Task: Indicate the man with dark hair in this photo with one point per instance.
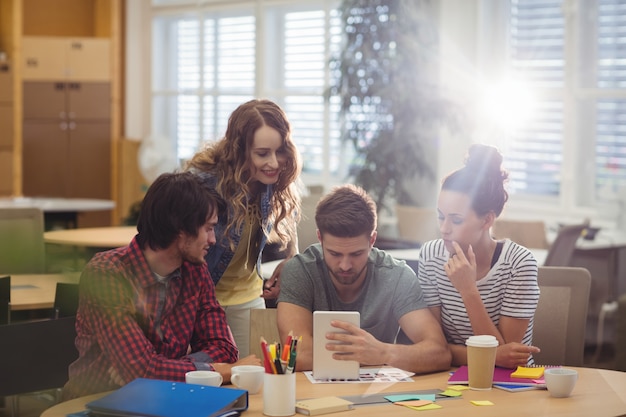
(344, 272)
(149, 309)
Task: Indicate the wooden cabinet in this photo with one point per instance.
(6, 130)
(58, 58)
(66, 139)
(65, 100)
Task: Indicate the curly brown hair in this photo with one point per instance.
(229, 161)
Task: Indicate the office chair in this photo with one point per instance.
(528, 233)
(22, 249)
(417, 224)
(28, 340)
(5, 300)
(65, 300)
(561, 315)
(562, 249)
(262, 324)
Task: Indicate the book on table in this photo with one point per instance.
(323, 405)
(158, 398)
(500, 376)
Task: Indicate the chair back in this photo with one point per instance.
(561, 315)
(5, 300)
(22, 249)
(36, 355)
(307, 229)
(262, 324)
(65, 300)
(562, 249)
(417, 224)
(528, 233)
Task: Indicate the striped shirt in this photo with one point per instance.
(509, 289)
(130, 324)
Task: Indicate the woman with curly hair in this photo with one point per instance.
(253, 169)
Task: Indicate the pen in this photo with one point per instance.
(287, 349)
(292, 356)
(266, 357)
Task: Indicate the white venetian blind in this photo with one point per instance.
(533, 154)
(611, 113)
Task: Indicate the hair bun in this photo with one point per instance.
(485, 158)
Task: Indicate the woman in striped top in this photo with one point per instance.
(472, 283)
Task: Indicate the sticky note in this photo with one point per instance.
(458, 387)
(431, 406)
(413, 403)
(482, 402)
(528, 372)
(452, 393)
(408, 397)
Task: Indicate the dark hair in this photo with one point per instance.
(174, 203)
(482, 179)
(347, 211)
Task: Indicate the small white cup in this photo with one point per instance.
(248, 377)
(211, 378)
(560, 381)
(279, 394)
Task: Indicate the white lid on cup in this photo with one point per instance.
(482, 341)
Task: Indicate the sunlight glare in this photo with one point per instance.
(508, 104)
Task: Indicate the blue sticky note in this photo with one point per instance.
(408, 397)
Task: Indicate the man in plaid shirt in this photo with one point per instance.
(149, 309)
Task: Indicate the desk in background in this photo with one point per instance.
(92, 237)
(598, 393)
(36, 291)
(59, 212)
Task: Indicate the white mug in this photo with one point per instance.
(248, 377)
(211, 378)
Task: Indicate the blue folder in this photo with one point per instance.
(158, 398)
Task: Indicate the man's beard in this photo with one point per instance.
(347, 280)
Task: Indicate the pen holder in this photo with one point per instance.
(279, 394)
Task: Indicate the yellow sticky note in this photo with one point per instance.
(458, 387)
(432, 406)
(482, 402)
(528, 372)
(452, 393)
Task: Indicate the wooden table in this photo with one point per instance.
(598, 393)
(59, 210)
(36, 291)
(92, 237)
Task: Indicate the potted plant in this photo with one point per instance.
(392, 108)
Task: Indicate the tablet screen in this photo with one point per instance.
(324, 366)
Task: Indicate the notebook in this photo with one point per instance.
(500, 376)
(158, 398)
(324, 366)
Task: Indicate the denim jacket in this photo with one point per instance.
(220, 254)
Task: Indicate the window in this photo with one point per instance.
(209, 59)
(571, 54)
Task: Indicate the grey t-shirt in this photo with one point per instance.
(390, 290)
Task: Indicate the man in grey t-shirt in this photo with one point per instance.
(345, 272)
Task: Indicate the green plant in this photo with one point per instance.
(391, 104)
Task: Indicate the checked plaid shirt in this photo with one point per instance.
(131, 325)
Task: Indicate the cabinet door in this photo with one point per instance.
(44, 58)
(89, 59)
(45, 100)
(89, 163)
(6, 126)
(89, 100)
(45, 158)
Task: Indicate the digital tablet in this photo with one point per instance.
(324, 366)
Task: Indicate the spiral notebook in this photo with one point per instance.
(500, 376)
